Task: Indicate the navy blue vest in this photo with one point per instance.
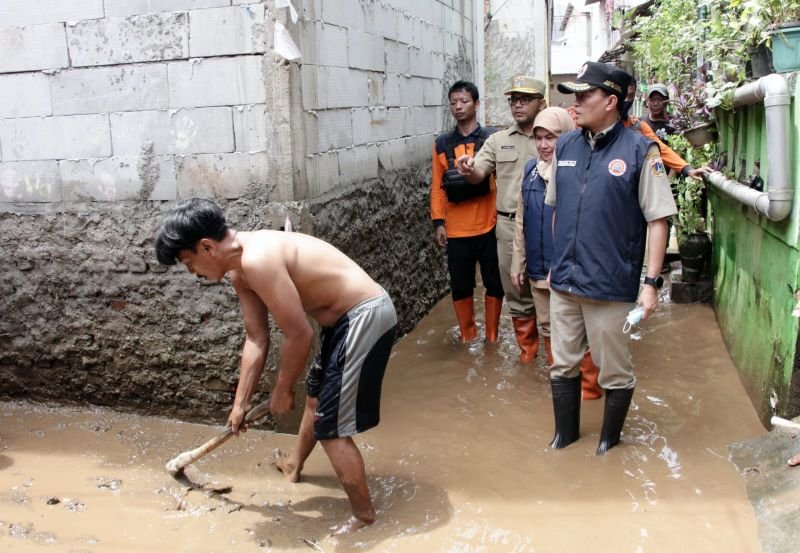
(600, 229)
(537, 223)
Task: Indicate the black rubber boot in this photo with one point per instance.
(567, 410)
(616, 409)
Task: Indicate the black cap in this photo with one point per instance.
(599, 75)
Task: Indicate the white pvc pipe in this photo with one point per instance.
(776, 202)
(783, 423)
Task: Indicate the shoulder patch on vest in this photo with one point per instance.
(617, 167)
(653, 152)
(657, 167)
(567, 163)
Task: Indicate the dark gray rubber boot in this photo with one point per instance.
(616, 409)
(567, 410)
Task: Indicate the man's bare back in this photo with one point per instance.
(328, 282)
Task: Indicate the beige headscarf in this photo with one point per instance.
(557, 121)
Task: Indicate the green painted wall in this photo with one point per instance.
(756, 262)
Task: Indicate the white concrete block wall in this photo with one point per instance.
(391, 89)
(221, 175)
(351, 14)
(149, 37)
(328, 129)
(313, 86)
(25, 95)
(386, 21)
(33, 48)
(117, 179)
(109, 89)
(322, 171)
(184, 131)
(412, 91)
(30, 181)
(397, 57)
(227, 31)
(20, 13)
(375, 90)
(372, 125)
(250, 124)
(107, 100)
(59, 137)
(324, 45)
(199, 82)
(121, 8)
(365, 50)
(358, 164)
(401, 54)
(345, 87)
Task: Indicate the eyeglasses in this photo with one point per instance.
(524, 100)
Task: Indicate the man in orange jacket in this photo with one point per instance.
(464, 216)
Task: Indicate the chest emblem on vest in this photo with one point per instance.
(617, 167)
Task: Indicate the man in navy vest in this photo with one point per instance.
(610, 191)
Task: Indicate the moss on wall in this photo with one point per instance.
(756, 264)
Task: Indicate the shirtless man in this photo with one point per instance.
(291, 275)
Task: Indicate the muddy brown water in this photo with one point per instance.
(459, 464)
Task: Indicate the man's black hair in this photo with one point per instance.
(465, 85)
(185, 225)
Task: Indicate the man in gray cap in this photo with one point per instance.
(505, 153)
(657, 117)
(610, 192)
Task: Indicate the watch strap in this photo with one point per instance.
(656, 283)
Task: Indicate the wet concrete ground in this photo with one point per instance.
(772, 486)
(459, 464)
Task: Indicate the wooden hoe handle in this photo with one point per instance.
(176, 465)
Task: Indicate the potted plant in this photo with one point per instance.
(691, 114)
(694, 244)
(771, 31)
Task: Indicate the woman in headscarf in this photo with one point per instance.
(533, 241)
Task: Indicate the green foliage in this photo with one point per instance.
(668, 42)
(688, 195)
(700, 48)
(689, 191)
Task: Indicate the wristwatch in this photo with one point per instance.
(656, 283)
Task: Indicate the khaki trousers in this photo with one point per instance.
(541, 299)
(576, 321)
(520, 302)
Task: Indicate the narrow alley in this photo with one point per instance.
(460, 463)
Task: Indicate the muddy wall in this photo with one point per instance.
(90, 316)
(108, 137)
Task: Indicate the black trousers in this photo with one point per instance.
(463, 254)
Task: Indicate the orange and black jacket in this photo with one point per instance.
(471, 217)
